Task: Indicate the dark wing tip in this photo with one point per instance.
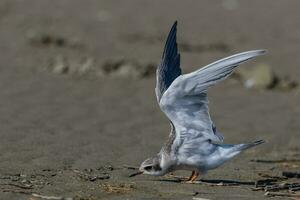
(263, 51)
(169, 68)
(174, 27)
(171, 43)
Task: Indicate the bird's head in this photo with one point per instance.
(152, 166)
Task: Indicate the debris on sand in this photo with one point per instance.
(198, 198)
(263, 77)
(51, 197)
(127, 68)
(117, 67)
(286, 83)
(221, 182)
(21, 186)
(291, 174)
(262, 183)
(271, 184)
(91, 175)
(281, 194)
(271, 176)
(120, 68)
(259, 77)
(47, 39)
(91, 178)
(120, 188)
(289, 162)
(283, 186)
(274, 185)
(62, 65)
(106, 168)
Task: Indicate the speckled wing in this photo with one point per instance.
(186, 105)
(169, 68)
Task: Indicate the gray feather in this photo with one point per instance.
(213, 73)
(186, 105)
(167, 147)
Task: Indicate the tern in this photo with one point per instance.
(194, 143)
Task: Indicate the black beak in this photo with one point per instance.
(135, 174)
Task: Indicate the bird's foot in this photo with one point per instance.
(189, 182)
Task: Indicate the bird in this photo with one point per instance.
(194, 143)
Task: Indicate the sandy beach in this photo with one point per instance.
(78, 108)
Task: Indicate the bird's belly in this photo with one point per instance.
(201, 162)
(206, 164)
(214, 164)
(213, 161)
(191, 165)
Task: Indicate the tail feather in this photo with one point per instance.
(228, 151)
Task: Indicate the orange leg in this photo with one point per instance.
(193, 177)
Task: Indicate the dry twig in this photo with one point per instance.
(281, 194)
(291, 174)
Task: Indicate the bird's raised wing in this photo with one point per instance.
(169, 68)
(167, 71)
(185, 101)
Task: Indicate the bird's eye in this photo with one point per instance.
(148, 168)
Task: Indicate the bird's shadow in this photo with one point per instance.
(210, 181)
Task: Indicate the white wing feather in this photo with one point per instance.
(185, 101)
